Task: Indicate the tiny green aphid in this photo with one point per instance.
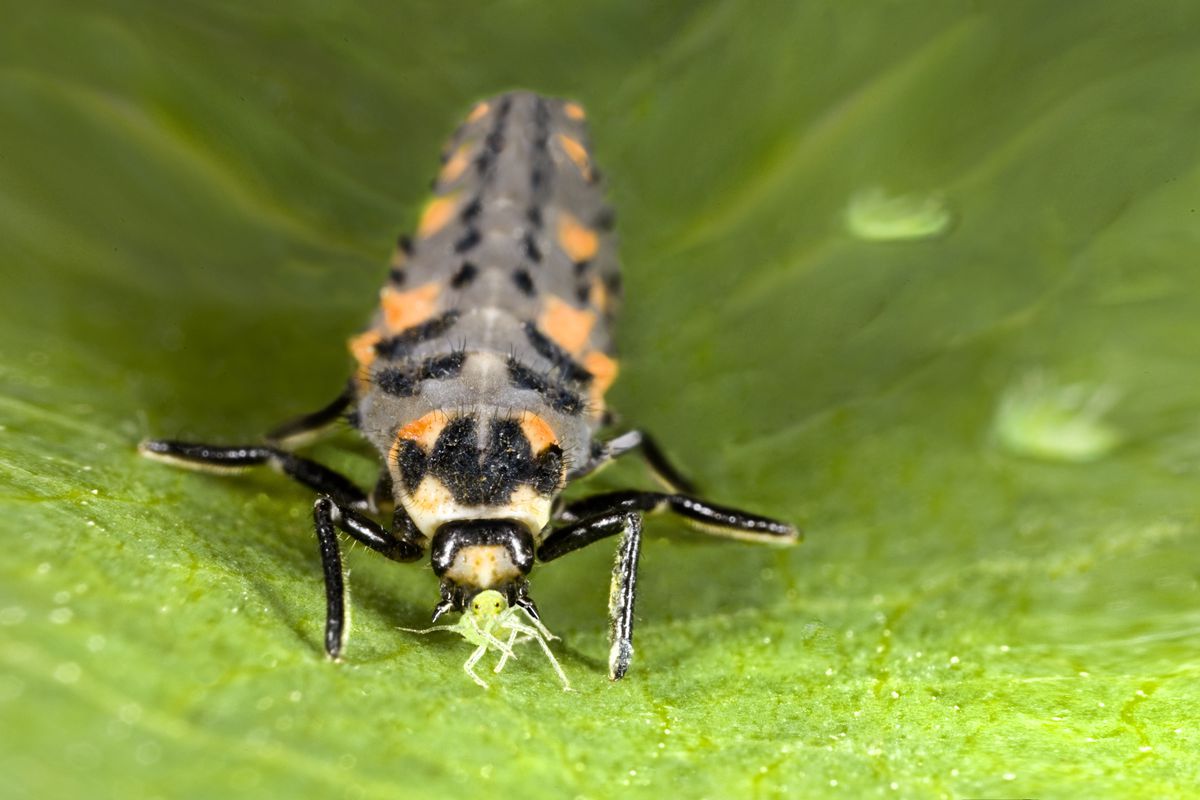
(489, 614)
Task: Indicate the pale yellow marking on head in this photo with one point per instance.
(567, 326)
(432, 505)
(404, 309)
(578, 154)
(457, 164)
(478, 112)
(482, 566)
(574, 111)
(538, 432)
(579, 242)
(436, 214)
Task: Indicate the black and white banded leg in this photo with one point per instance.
(599, 517)
(304, 429)
(232, 459)
(409, 545)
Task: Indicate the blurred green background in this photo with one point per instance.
(197, 204)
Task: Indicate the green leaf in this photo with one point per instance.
(196, 208)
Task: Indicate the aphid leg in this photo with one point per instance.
(623, 592)
(302, 430)
(469, 666)
(326, 514)
(512, 640)
(655, 459)
(536, 634)
(236, 458)
(709, 517)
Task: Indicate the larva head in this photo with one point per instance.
(475, 557)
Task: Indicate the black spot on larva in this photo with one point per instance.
(558, 397)
(536, 177)
(523, 281)
(495, 141)
(532, 251)
(402, 343)
(605, 219)
(412, 462)
(406, 381)
(398, 382)
(465, 275)
(468, 241)
(559, 359)
(583, 292)
(612, 282)
(483, 162)
(534, 215)
(404, 243)
(396, 276)
(471, 210)
(581, 267)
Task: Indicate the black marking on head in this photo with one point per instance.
(468, 241)
(396, 276)
(560, 359)
(471, 210)
(489, 475)
(534, 215)
(524, 282)
(411, 460)
(532, 251)
(406, 382)
(558, 397)
(453, 536)
(403, 342)
(465, 275)
(404, 243)
(581, 267)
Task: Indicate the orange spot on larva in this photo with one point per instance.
(423, 430)
(478, 112)
(455, 165)
(574, 111)
(578, 154)
(362, 347)
(603, 369)
(568, 326)
(580, 243)
(598, 295)
(437, 213)
(404, 309)
(538, 432)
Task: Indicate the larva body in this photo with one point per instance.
(481, 382)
